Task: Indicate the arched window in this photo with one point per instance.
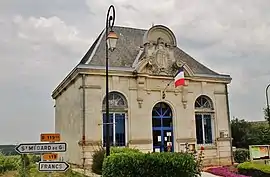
(116, 101)
(203, 102)
(117, 119)
(204, 120)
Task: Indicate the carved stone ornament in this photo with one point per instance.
(159, 60)
(178, 64)
(161, 54)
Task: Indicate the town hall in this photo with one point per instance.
(146, 110)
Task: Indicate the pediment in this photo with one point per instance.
(157, 56)
(160, 61)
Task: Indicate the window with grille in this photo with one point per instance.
(204, 120)
(117, 120)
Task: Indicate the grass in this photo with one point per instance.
(11, 166)
(36, 173)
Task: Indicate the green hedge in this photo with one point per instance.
(99, 155)
(254, 169)
(9, 163)
(151, 164)
(241, 155)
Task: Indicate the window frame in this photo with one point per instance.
(205, 111)
(114, 128)
(202, 114)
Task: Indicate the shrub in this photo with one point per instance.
(254, 169)
(34, 158)
(99, 154)
(151, 164)
(241, 155)
(124, 150)
(98, 158)
(8, 163)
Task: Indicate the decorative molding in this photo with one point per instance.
(128, 72)
(219, 93)
(184, 96)
(140, 141)
(186, 140)
(141, 83)
(224, 139)
(115, 82)
(207, 147)
(91, 87)
(90, 143)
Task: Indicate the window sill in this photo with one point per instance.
(206, 146)
(224, 139)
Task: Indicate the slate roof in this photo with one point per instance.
(128, 46)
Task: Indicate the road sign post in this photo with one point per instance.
(50, 161)
(51, 156)
(50, 137)
(48, 149)
(28, 148)
(51, 166)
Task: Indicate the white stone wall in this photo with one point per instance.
(68, 115)
(68, 112)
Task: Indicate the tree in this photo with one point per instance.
(266, 115)
(240, 131)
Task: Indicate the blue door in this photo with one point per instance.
(162, 128)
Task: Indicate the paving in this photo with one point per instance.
(205, 174)
(89, 174)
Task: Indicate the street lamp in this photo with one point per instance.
(111, 39)
(267, 102)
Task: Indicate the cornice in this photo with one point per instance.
(128, 72)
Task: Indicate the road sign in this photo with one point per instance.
(52, 156)
(50, 137)
(25, 148)
(53, 166)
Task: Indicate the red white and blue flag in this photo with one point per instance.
(179, 79)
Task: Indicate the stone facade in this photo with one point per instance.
(143, 83)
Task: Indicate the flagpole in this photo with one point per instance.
(163, 92)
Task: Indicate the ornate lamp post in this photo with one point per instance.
(267, 103)
(111, 39)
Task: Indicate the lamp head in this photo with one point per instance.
(112, 40)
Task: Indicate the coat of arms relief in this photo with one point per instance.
(160, 57)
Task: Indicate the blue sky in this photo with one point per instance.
(41, 41)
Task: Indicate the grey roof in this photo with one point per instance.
(128, 46)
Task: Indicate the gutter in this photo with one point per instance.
(229, 121)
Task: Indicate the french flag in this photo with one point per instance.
(179, 78)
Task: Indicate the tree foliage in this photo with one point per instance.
(266, 116)
(246, 133)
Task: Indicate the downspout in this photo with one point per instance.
(229, 121)
(83, 121)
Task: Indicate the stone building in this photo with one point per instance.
(146, 110)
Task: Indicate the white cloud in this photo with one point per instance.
(228, 36)
(40, 46)
(36, 55)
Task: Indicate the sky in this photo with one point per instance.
(42, 41)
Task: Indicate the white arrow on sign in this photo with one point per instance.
(53, 166)
(41, 147)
